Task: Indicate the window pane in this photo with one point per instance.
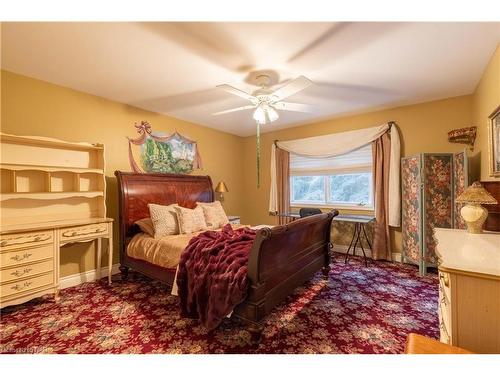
(351, 188)
(308, 188)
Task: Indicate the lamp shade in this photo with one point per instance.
(221, 187)
(476, 194)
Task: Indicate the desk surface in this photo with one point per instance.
(6, 229)
(288, 214)
(468, 252)
(364, 219)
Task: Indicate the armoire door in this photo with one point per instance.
(438, 210)
(411, 211)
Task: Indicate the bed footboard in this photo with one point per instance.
(281, 259)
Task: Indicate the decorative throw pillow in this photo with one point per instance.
(164, 219)
(215, 216)
(146, 226)
(190, 220)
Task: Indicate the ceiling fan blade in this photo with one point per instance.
(233, 110)
(293, 87)
(296, 107)
(238, 92)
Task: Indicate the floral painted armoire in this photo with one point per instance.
(430, 184)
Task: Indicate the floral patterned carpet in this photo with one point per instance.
(358, 310)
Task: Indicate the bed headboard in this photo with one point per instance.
(136, 190)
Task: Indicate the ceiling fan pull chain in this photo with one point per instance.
(258, 154)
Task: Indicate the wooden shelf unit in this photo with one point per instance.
(52, 193)
(50, 175)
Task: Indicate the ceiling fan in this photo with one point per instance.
(265, 100)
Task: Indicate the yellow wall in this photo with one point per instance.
(33, 107)
(423, 128)
(486, 100)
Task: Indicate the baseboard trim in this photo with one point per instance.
(83, 277)
(396, 257)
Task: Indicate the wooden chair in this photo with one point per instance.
(309, 211)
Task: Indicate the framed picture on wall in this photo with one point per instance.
(494, 142)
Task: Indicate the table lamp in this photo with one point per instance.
(221, 188)
(473, 213)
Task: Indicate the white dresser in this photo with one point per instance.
(469, 289)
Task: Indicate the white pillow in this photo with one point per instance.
(215, 216)
(190, 220)
(164, 219)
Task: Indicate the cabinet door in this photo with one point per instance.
(411, 204)
(437, 171)
(460, 182)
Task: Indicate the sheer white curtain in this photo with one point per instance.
(330, 145)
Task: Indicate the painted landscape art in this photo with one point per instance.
(172, 156)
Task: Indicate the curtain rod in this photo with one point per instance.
(390, 123)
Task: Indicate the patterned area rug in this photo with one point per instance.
(358, 310)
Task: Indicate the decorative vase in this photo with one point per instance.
(474, 216)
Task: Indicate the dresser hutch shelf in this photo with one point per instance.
(52, 194)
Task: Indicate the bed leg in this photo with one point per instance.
(124, 272)
(326, 271)
(255, 331)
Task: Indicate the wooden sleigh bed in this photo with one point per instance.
(281, 258)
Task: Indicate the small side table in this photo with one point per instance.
(234, 220)
(290, 215)
(359, 226)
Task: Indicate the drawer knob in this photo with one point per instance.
(445, 278)
(83, 232)
(21, 287)
(19, 273)
(18, 258)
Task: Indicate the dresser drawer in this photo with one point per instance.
(29, 270)
(21, 240)
(83, 232)
(28, 255)
(23, 286)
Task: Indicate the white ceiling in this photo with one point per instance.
(173, 68)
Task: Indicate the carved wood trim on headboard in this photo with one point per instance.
(137, 190)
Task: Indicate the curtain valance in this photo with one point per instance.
(338, 144)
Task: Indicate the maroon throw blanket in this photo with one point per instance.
(212, 274)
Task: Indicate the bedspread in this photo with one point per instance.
(212, 274)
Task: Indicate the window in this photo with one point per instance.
(340, 181)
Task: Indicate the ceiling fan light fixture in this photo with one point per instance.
(259, 115)
(264, 113)
(272, 114)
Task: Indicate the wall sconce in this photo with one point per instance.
(221, 188)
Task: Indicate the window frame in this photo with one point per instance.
(326, 181)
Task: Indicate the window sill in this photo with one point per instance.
(330, 207)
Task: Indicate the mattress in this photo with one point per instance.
(164, 252)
